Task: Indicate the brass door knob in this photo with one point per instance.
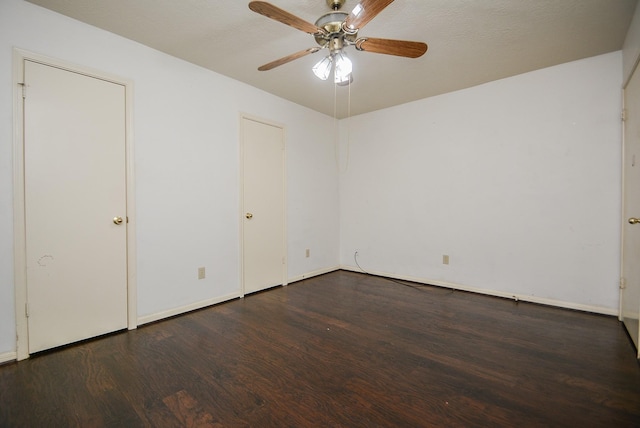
(634, 220)
(117, 220)
(249, 215)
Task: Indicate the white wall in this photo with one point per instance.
(186, 138)
(517, 180)
(631, 47)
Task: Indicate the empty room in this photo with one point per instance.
(319, 213)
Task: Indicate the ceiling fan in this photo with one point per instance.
(335, 31)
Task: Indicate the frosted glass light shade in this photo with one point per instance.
(347, 81)
(323, 68)
(343, 67)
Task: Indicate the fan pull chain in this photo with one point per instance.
(336, 138)
(337, 128)
(346, 167)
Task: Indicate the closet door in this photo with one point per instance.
(263, 228)
(75, 206)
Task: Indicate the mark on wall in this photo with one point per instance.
(42, 261)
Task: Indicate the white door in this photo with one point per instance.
(75, 193)
(630, 297)
(263, 244)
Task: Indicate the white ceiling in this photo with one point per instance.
(470, 42)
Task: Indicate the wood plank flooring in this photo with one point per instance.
(339, 350)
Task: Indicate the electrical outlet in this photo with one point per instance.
(201, 273)
(307, 253)
(445, 259)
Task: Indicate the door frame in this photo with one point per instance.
(621, 284)
(285, 270)
(19, 225)
(625, 141)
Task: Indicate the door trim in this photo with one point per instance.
(241, 212)
(622, 208)
(623, 220)
(19, 226)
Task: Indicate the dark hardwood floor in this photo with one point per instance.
(340, 350)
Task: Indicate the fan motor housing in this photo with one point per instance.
(332, 23)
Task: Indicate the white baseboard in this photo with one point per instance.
(12, 355)
(210, 302)
(5, 357)
(187, 308)
(312, 274)
(496, 293)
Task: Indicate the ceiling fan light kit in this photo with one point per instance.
(336, 31)
(343, 65)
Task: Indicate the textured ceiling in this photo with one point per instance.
(470, 42)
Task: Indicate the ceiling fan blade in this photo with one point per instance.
(274, 12)
(288, 58)
(364, 12)
(391, 47)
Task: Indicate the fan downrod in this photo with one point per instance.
(336, 4)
